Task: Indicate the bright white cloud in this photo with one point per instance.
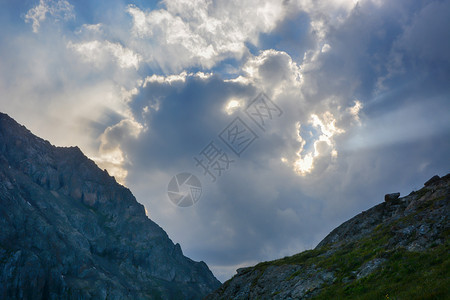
(58, 9)
(355, 111)
(174, 78)
(273, 71)
(188, 33)
(323, 143)
(93, 29)
(232, 105)
(98, 52)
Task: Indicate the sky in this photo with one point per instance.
(293, 115)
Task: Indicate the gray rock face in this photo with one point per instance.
(369, 267)
(70, 231)
(359, 248)
(432, 180)
(275, 282)
(430, 217)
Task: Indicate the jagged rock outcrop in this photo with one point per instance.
(393, 197)
(398, 249)
(70, 231)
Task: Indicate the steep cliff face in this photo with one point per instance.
(70, 231)
(398, 249)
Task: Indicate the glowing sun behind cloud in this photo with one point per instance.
(321, 140)
(232, 106)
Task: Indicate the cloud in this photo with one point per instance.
(110, 153)
(323, 148)
(426, 31)
(57, 9)
(312, 119)
(201, 33)
(273, 71)
(97, 52)
(412, 122)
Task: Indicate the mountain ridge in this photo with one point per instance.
(398, 249)
(70, 231)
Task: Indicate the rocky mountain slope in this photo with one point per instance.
(70, 231)
(398, 249)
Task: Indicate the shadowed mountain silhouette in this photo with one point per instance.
(70, 231)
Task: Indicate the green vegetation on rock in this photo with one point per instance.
(398, 249)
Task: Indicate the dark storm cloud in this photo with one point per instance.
(181, 118)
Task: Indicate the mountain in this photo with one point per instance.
(398, 249)
(70, 231)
